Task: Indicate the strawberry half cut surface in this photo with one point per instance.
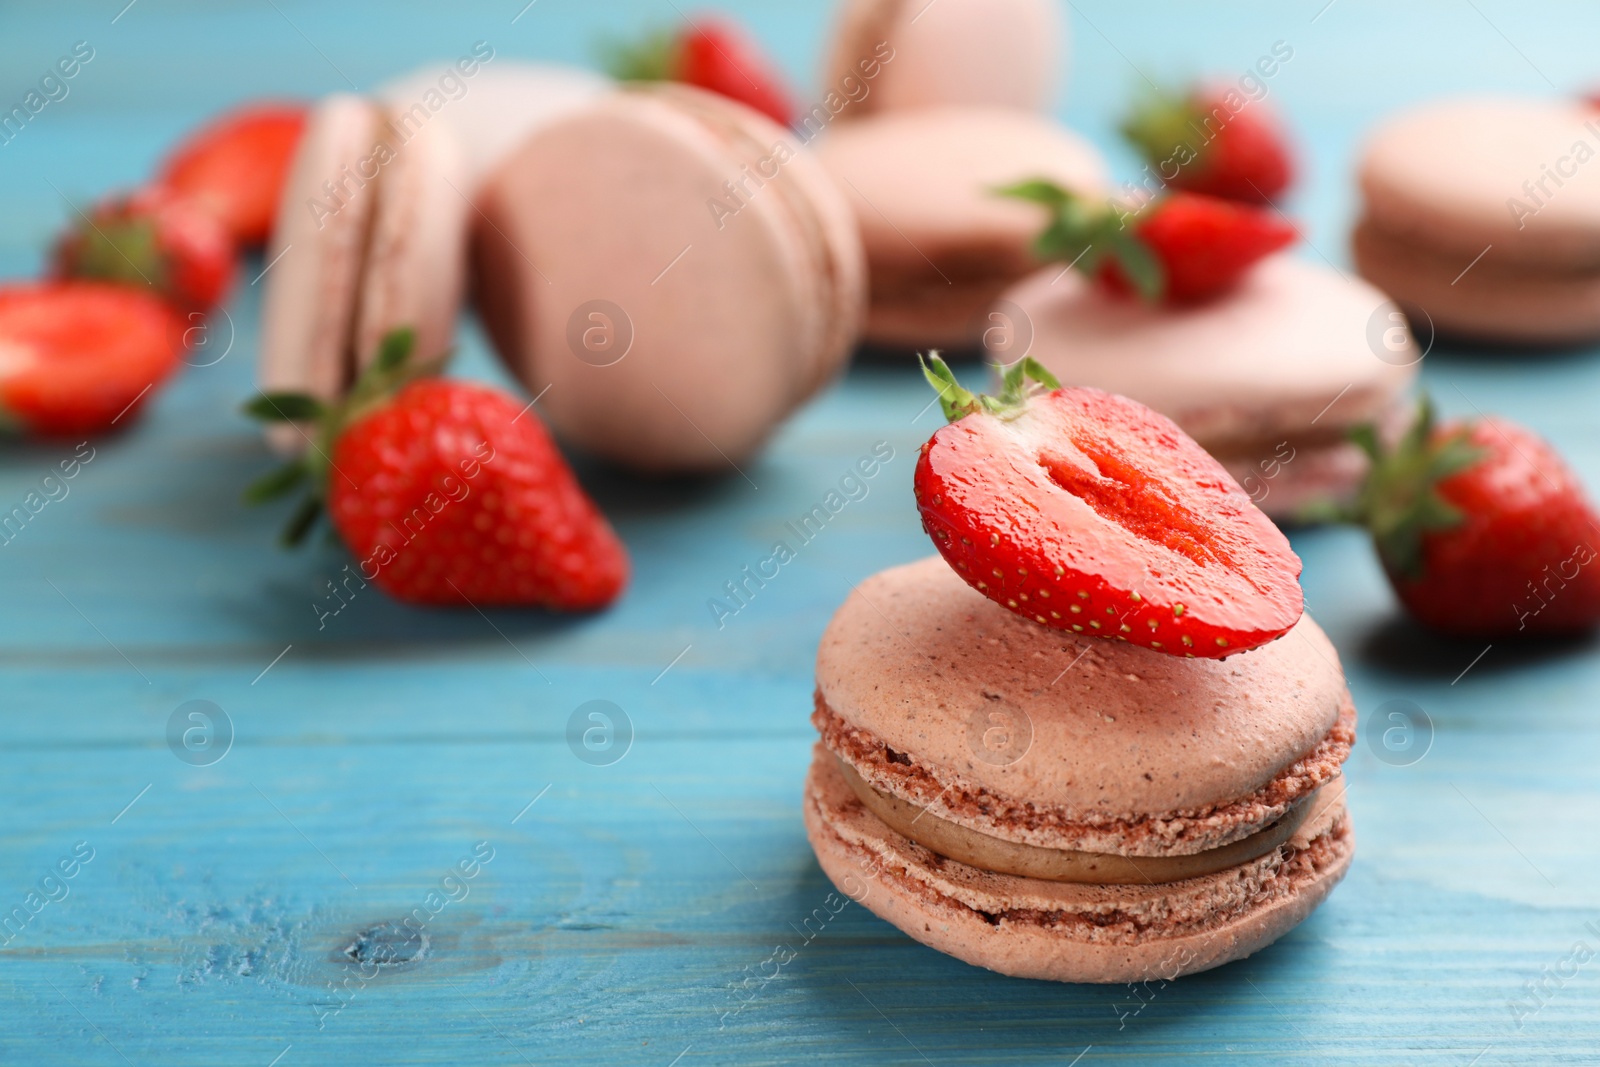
(1088, 512)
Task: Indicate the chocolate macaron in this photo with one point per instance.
(941, 242)
(1483, 214)
(915, 54)
(671, 273)
(1054, 806)
(1269, 378)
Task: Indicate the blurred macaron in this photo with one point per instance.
(1482, 216)
(670, 273)
(895, 55)
(941, 243)
(1269, 378)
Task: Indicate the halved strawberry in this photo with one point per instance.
(1214, 142)
(1088, 512)
(1482, 528)
(152, 239)
(447, 492)
(235, 167)
(712, 54)
(1180, 248)
(81, 357)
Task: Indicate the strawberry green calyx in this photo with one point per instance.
(1085, 235)
(1018, 383)
(655, 57)
(390, 371)
(124, 251)
(1164, 125)
(1400, 501)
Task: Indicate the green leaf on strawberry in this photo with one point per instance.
(390, 370)
(1180, 248)
(1400, 500)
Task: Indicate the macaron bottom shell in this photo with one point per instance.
(1028, 928)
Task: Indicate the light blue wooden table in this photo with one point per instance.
(237, 913)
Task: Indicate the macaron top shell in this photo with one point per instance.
(1451, 174)
(1265, 360)
(493, 110)
(1000, 53)
(923, 184)
(725, 256)
(317, 253)
(932, 667)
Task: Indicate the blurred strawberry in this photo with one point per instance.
(1181, 248)
(1482, 528)
(154, 240)
(711, 54)
(79, 357)
(236, 166)
(1195, 141)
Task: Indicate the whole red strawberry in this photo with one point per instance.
(711, 54)
(1482, 529)
(81, 357)
(1213, 141)
(152, 239)
(448, 492)
(1088, 512)
(1181, 248)
(235, 167)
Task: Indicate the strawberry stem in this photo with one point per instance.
(1018, 383)
(390, 371)
(1087, 235)
(654, 57)
(1400, 502)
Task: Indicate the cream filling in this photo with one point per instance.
(988, 853)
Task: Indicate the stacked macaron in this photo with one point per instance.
(1004, 782)
(1483, 217)
(1270, 378)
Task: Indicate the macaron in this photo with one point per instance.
(491, 106)
(370, 237)
(1066, 808)
(894, 55)
(1269, 378)
(670, 273)
(941, 243)
(1483, 214)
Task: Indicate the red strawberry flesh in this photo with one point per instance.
(1091, 513)
(77, 357)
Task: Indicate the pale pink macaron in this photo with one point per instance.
(1270, 378)
(1067, 808)
(370, 237)
(1483, 214)
(894, 55)
(671, 274)
(492, 105)
(941, 243)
